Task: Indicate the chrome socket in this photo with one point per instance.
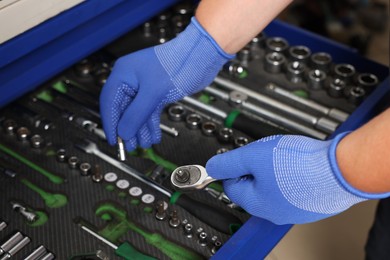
(244, 56)
(336, 88)
(321, 61)
(258, 41)
(73, 161)
(36, 141)
(355, 95)
(367, 81)
(176, 113)
(209, 128)
(101, 77)
(240, 141)
(274, 62)
(234, 68)
(295, 71)
(188, 230)
(184, 8)
(61, 155)
(23, 133)
(84, 68)
(344, 72)
(85, 169)
(202, 238)
(9, 126)
(178, 24)
(193, 121)
(217, 245)
(299, 53)
(147, 29)
(276, 44)
(225, 134)
(222, 150)
(237, 98)
(316, 79)
(162, 35)
(163, 20)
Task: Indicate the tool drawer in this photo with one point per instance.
(65, 195)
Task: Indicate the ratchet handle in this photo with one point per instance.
(217, 218)
(255, 128)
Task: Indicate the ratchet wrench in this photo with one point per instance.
(190, 177)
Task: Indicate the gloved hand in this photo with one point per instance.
(287, 179)
(142, 83)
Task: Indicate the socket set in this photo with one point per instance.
(65, 195)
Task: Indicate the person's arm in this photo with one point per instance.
(364, 155)
(234, 23)
(293, 179)
(143, 82)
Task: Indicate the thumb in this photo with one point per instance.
(228, 165)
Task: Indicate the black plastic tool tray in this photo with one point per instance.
(60, 234)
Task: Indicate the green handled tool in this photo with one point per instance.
(124, 250)
(120, 224)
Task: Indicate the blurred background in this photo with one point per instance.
(357, 23)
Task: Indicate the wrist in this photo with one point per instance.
(219, 49)
(343, 163)
(192, 59)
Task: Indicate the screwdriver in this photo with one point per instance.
(124, 250)
(120, 224)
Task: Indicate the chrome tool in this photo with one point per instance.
(190, 177)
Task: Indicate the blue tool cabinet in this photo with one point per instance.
(40, 53)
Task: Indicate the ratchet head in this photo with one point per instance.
(190, 177)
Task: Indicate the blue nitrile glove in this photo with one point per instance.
(289, 179)
(142, 83)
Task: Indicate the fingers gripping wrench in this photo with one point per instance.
(190, 177)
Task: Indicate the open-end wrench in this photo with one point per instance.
(91, 148)
(190, 177)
